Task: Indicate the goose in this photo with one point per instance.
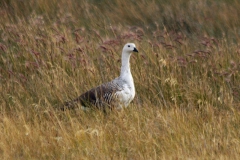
(117, 93)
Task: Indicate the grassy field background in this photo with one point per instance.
(187, 103)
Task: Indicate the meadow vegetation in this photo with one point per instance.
(186, 74)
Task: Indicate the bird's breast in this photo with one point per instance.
(126, 95)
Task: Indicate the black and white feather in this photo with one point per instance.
(117, 93)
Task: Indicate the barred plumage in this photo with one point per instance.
(117, 93)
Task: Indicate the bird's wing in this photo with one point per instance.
(104, 94)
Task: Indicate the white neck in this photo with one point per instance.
(126, 75)
(125, 68)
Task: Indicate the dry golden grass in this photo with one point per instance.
(186, 76)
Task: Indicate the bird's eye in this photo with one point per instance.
(128, 45)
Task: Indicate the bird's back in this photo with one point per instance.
(114, 94)
(101, 96)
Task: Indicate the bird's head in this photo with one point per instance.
(129, 48)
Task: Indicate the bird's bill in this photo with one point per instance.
(135, 50)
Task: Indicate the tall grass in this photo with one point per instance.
(186, 76)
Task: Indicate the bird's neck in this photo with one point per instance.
(125, 68)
